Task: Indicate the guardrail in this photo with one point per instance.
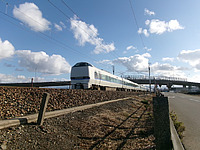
(133, 77)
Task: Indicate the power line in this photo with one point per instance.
(134, 16)
(70, 18)
(57, 41)
(70, 9)
(116, 55)
(52, 39)
(74, 22)
(26, 15)
(65, 4)
(49, 37)
(76, 15)
(97, 35)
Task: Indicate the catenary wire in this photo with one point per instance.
(114, 53)
(47, 36)
(134, 16)
(79, 26)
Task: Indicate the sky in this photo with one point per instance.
(44, 39)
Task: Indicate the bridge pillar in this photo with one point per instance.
(169, 86)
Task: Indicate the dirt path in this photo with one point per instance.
(125, 124)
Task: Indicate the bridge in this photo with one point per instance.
(161, 80)
(37, 84)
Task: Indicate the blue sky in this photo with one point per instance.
(44, 39)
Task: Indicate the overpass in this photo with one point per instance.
(159, 80)
(37, 84)
(162, 80)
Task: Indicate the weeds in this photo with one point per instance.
(180, 128)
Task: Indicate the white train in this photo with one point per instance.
(86, 76)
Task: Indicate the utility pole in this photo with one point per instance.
(149, 78)
(35, 72)
(113, 67)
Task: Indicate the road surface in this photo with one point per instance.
(187, 108)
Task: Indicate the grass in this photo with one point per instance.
(180, 128)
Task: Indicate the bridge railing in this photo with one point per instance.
(140, 77)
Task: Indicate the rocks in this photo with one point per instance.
(115, 125)
(17, 101)
(4, 145)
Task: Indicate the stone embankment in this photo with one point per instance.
(17, 102)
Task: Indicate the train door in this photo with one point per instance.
(99, 74)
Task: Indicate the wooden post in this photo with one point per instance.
(161, 123)
(43, 107)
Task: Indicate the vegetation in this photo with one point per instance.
(180, 128)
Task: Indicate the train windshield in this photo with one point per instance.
(82, 64)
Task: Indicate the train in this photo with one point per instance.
(86, 76)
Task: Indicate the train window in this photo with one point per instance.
(82, 64)
(96, 75)
(103, 77)
(83, 77)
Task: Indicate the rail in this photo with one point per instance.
(140, 77)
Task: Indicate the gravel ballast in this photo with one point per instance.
(17, 102)
(125, 124)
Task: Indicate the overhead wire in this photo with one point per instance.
(70, 19)
(84, 30)
(142, 41)
(57, 41)
(49, 37)
(65, 4)
(114, 53)
(134, 16)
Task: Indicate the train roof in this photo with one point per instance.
(81, 64)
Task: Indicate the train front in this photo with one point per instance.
(80, 76)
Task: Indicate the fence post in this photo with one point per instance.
(43, 107)
(161, 123)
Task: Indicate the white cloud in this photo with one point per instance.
(109, 62)
(159, 27)
(140, 30)
(162, 67)
(147, 49)
(58, 27)
(194, 78)
(144, 31)
(191, 56)
(43, 63)
(167, 70)
(101, 48)
(174, 25)
(168, 59)
(138, 63)
(6, 49)
(148, 12)
(86, 33)
(31, 15)
(131, 47)
(62, 24)
(5, 78)
(147, 22)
